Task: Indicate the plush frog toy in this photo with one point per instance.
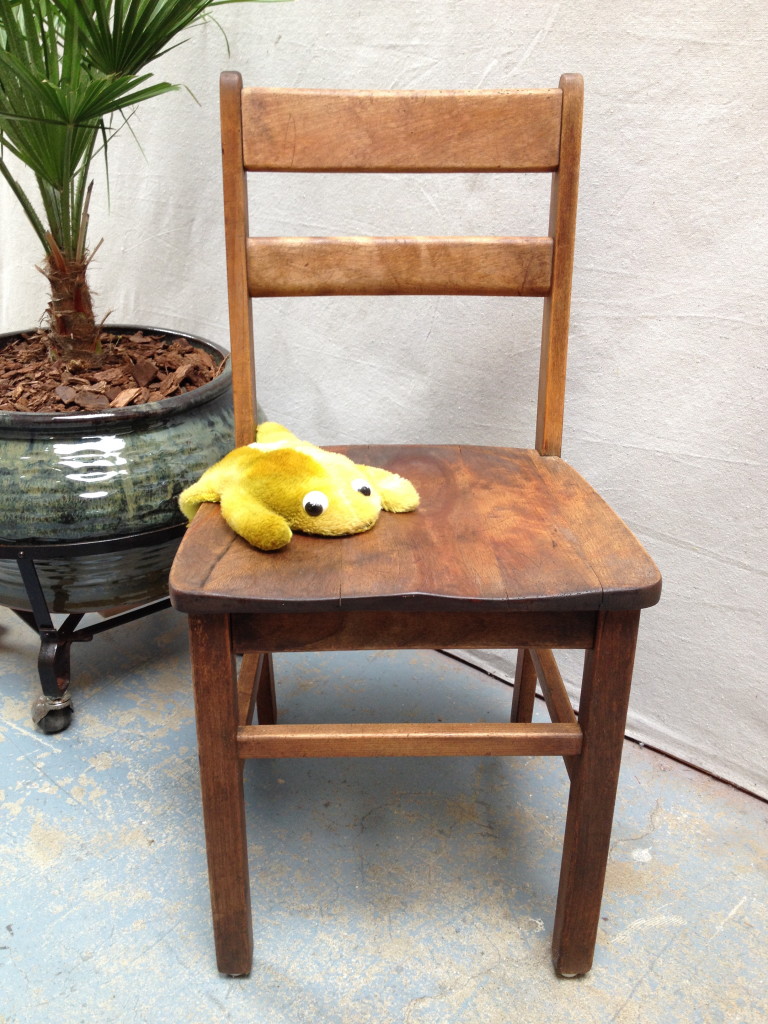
(279, 484)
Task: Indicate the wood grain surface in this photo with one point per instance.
(497, 529)
(325, 130)
(399, 266)
(235, 233)
(557, 305)
(430, 739)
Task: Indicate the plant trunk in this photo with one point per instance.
(74, 331)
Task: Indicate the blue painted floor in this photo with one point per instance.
(392, 890)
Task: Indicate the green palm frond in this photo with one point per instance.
(70, 73)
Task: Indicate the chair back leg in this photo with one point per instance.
(524, 693)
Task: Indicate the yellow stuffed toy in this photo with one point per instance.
(279, 484)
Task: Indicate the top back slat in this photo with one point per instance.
(322, 130)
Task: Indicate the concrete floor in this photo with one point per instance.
(388, 890)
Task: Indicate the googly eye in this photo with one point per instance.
(315, 503)
(363, 487)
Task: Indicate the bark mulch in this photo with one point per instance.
(136, 368)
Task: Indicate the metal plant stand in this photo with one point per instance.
(52, 710)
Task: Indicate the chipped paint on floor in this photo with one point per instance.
(392, 890)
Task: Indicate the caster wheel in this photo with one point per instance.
(52, 714)
(56, 721)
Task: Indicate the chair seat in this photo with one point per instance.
(498, 529)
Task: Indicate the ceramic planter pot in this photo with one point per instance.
(94, 476)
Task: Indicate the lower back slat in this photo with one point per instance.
(399, 266)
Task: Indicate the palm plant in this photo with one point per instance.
(71, 71)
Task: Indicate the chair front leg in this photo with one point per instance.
(602, 717)
(221, 777)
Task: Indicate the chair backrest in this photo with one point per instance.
(415, 131)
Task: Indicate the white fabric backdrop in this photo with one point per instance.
(666, 405)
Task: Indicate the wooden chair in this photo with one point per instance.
(509, 549)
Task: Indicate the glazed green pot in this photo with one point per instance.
(67, 478)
